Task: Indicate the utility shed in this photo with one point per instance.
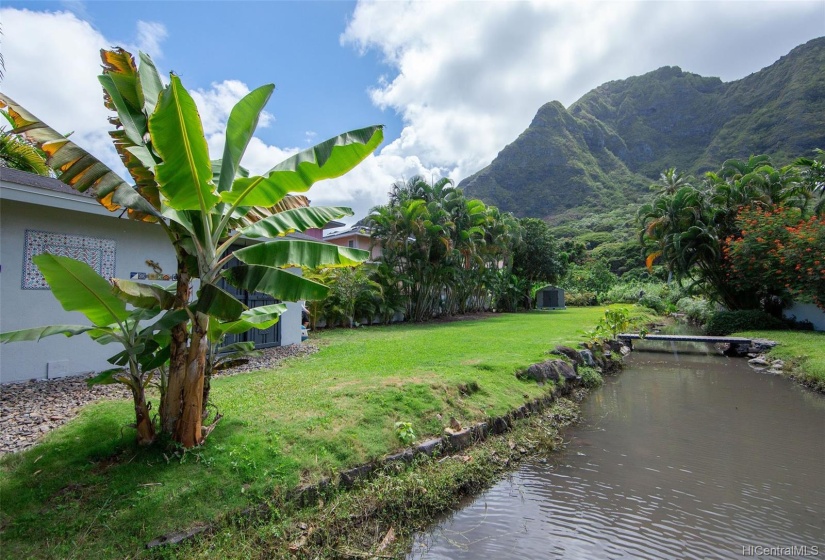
(550, 297)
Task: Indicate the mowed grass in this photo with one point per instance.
(802, 351)
(88, 491)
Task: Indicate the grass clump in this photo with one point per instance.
(591, 378)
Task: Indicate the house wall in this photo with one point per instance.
(807, 312)
(20, 308)
(359, 241)
(315, 233)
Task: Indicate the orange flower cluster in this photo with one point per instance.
(777, 251)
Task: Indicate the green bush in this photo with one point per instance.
(654, 302)
(697, 311)
(655, 295)
(726, 322)
(580, 299)
(590, 377)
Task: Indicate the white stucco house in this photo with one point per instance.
(40, 214)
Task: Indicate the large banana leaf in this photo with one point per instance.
(79, 288)
(298, 219)
(260, 318)
(276, 282)
(185, 176)
(298, 173)
(239, 129)
(294, 252)
(149, 84)
(132, 95)
(37, 333)
(245, 216)
(218, 303)
(78, 168)
(166, 322)
(148, 296)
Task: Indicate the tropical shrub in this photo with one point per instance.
(352, 298)
(696, 310)
(580, 299)
(778, 252)
(687, 227)
(614, 321)
(723, 323)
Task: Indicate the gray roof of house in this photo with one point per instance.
(32, 180)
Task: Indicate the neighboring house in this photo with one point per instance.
(318, 234)
(357, 237)
(40, 214)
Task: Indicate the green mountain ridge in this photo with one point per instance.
(607, 147)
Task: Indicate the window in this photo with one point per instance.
(351, 243)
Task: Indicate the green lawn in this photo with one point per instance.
(87, 491)
(802, 351)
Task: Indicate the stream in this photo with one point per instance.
(685, 454)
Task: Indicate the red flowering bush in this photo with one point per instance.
(778, 251)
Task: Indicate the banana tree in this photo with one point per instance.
(145, 349)
(205, 206)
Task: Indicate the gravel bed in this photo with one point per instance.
(29, 409)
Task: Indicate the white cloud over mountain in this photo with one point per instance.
(467, 77)
(471, 75)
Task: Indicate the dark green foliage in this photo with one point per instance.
(697, 311)
(615, 139)
(594, 276)
(726, 322)
(694, 231)
(537, 257)
(442, 253)
(580, 299)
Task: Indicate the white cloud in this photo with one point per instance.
(471, 75)
(150, 35)
(216, 103)
(59, 84)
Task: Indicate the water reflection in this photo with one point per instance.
(692, 456)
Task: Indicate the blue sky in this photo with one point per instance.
(321, 85)
(454, 82)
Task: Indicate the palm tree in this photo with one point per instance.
(17, 153)
(671, 181)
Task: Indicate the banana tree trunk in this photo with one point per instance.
(143, 423)
(188, 430)
(173, 398)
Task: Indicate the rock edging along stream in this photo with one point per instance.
(562, 372)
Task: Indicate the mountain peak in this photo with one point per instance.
(615, 140)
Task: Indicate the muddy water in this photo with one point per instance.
(681, 456)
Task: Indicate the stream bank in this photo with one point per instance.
(374, 510)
